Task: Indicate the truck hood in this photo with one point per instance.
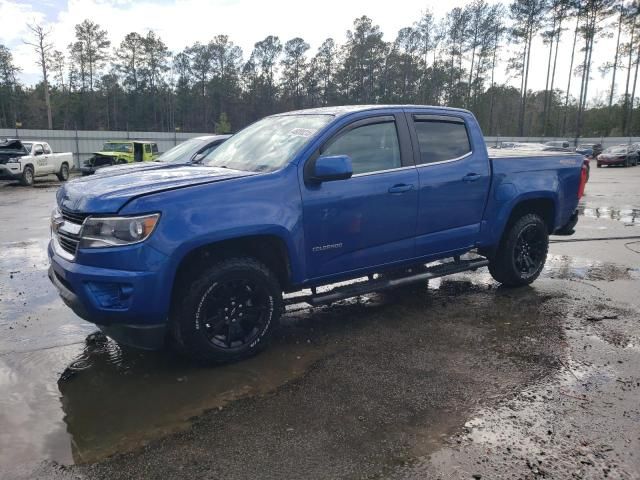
(109, 193)
(132, 167)
(11, 148)
(111, 154)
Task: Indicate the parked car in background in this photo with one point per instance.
(296, 201)
(117, 152)
(558, 144)
(623, 155)
(589, 149)
(188, 152)
(26, 160)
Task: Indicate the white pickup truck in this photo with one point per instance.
(26, 160)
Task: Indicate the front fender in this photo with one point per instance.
(278, 231)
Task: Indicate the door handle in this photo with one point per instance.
(471, 177)
(400, 188)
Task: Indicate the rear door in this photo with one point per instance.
(454, 178)
(369, 219)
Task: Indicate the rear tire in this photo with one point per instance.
(63, 174)
(27, 178)
(228, 312)
(598, 165)
(522, 252)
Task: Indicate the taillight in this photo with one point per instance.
(583, 181)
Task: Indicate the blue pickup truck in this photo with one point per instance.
(203, 254)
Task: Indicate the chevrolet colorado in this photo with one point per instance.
(202, 254)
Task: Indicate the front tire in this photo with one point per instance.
(522, 252)
(28, 175)
(228, 311)
(63, 174)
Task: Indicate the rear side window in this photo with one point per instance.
(154, 147)
(371, 147)
(47, 148)
(441, 140)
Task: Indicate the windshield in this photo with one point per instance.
(117, 147)
(27, 146)
(183, 151)
(616, 150)
(268, 144)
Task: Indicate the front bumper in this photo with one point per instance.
(87, 169)
(569, 228)
(612, 161)
(125, 305)
(10, 171)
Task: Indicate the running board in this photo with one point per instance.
(436, 271)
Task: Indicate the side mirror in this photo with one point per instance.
(38, 151)
(329, 168)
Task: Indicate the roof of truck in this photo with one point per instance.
(341, 110)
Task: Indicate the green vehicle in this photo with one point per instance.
(115, 152)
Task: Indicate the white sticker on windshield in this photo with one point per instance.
(302, 132)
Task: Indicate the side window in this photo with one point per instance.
(154, 147)
(441, 140)
(47, 148)
(37, 149)
(147, 148)
(371, 147)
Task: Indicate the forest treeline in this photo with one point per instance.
(140, 85)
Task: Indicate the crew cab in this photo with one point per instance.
(26, 160)
(382, 195)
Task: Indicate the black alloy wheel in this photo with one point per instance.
(226, 311)
(233, 313)
(530, 250)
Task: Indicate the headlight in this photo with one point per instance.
(98, 232)
(14, 160)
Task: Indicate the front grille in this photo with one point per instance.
(69, 243)
(73, 217)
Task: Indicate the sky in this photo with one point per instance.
(183, 22)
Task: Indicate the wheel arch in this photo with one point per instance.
(544, 206)
(268, 248)
(543, 203)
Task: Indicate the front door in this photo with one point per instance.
(369, 219)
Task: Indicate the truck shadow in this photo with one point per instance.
(116, 399)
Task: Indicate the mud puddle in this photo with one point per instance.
(567, 267)
(76, 405)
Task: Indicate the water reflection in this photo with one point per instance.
(625, 215)
(115, 399)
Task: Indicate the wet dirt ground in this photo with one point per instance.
(456, 379)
